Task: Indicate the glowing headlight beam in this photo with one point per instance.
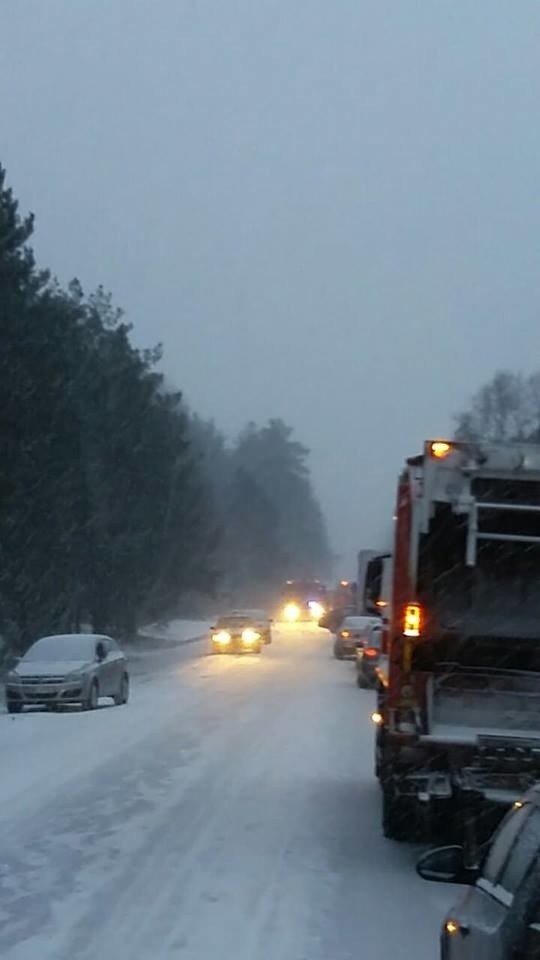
(291, 612)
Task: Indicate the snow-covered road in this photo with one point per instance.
(229, 811)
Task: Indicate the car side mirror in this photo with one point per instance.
(101, 652)
(445, 865)
(531, 945)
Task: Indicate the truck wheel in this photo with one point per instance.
(14, 706)
(338, 650)
(398, 819)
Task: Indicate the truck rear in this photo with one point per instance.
(458, 717)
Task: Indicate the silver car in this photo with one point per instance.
(66, 669)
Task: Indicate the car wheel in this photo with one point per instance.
(338, 650)
(91, 701)
(14, 706)
(123, 693)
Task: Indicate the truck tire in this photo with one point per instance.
(338, 650)
(398, 820)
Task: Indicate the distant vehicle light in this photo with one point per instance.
(440, 449)
(345, 634)
(412, 620)
(381, 603)
(452, 927)
(316, 609)
(250, 636)
(222, 638)
(377, 718)
(344, 583)
(518, 804)
(291, 612)
(370, 651)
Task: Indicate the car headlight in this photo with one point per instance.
(222, 637)
(74, 675)
(291, 612)
(316, 609)
(250, 636)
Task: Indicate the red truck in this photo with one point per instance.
(458, 711)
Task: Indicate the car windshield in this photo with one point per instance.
(233, 622)
(69, 647)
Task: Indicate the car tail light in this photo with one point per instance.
(412, 620)
(370, 651)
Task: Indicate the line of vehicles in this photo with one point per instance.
(457, 676)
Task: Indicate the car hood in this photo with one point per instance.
(58, 668)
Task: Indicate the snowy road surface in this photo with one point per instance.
(229, 811)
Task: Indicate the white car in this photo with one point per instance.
(66, 669)
(352, 632)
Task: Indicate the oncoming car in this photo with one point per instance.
(236, 633)
(68, 669)
(261, 622)
(303, 601)
(498, 916)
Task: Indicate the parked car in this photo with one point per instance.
(236, 633)
(498, 917)
(262, 621)
(67, 669)
(352, 632)
(367, 656)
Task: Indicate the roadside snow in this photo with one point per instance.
(177, 631)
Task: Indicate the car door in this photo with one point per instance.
(116, 665)
(478, 929)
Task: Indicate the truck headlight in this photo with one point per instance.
(291, 612)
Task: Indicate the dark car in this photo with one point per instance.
(236, 633)
(498, 917)
(367, 656)
(351, 634)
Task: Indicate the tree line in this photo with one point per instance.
(505, 408)
(116, 500)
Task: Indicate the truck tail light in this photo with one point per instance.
(412, 620)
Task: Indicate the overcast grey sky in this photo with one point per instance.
(327, 211)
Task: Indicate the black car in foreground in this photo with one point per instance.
(498, 917)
